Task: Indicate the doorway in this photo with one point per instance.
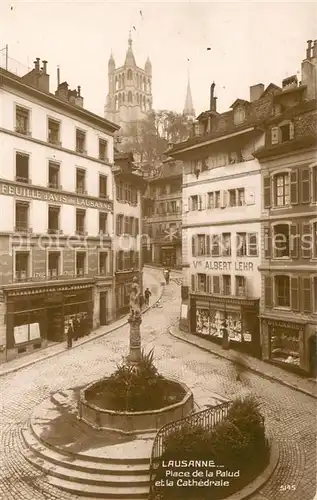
(103, 308)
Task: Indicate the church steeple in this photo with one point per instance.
(189, 107)
(129, 58)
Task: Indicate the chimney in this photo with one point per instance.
(79, 101)
(290, 82)
(44, 67)
(212, 90)
(58, 76)
(256, 91)
(315, 49)
(309, 49)
(37, 64)
(62, 91)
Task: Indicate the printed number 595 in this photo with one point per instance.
(287, 487)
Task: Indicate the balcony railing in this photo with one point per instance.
(25, 180)
(23, 131)
(23, 277)
(23, 228)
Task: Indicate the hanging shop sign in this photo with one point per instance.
(223, 265)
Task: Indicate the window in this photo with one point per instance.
(240, 286)
(119, 223)
(282, 291)
(216, 284)
(103, 186)
(22, 168)
(120, 260)
(103, 216)
(80, 221)
(194, 202)
(129, 96)
(80, 141)
(215, 245)
(21, 266)
(129, 75)
(241, 197)
(80, 263)
(103, 263)
(217, 199)
(53, 219)
(103, 149)
(173, 207)
(22, 121)
(315, 294)
(314, 240)
(21, 216)
(201, 282)
(53, 175)
(226, 244)
(80, 181)
(53, 132)
(201, 244)
(211, 200)
(252, 244)
(53, 264)
(241, 244)
(281, 242)
(281, 189)
(226, 282)
(285, 134)
(232, 197)
(284, 344)
(239, 115)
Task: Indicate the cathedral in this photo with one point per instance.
(130, 90)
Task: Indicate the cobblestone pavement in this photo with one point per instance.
(290, 415)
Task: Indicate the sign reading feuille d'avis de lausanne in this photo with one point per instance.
(220, 265)
(11, 189)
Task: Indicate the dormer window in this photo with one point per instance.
(239, 115)
(283, 133)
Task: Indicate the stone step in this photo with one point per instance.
(95, 477)
(104, 492)
(81, 462)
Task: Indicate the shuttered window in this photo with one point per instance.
(267, 243)
(294, 241)
(194, 246)
(193, 280)
(314, 183)
(295, 293)
(268, 291)
(216, 284)
(294, 187)
(305, 185)
(267, 191)
(274, 135)
(307, 240)
(306, 295)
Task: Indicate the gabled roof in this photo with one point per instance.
(299, 108)
(271, 86)
(239, 102)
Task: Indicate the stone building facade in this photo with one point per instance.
(288, 309)
(162, 209)
(56, 191)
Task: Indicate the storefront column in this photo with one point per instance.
(3, 335)
(303, 361)
(96, 308)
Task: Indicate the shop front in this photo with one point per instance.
(287, 343)
(214, 317)
(170, 255)
(123, 290)
(38, 316)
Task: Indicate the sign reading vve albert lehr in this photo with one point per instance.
(222, 265)
(12, 189)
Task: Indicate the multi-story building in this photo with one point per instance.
(56, 203)
(162, 212)
(221, 221)
(129, 187)
(289, 223)
(130, 90)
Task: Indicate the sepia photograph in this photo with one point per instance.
(158, 250)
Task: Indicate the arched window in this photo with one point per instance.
(116, 103)
(117, 83)
(120, 100)
(129, 96)
(129, 75)
(120, 83)
(144, 85)
(123, 97)
(149, 85)
(137, 80)
(144, 105)
(123, 80)
(141, 104)
(137, 98)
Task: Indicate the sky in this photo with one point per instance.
(250, 43)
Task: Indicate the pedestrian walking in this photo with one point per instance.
(70, 336)
(147, 295)
(167, 276)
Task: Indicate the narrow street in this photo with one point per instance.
(290, 415)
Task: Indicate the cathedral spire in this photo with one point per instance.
(129, 58)
(189, 107)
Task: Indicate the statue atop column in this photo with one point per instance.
(135, 298)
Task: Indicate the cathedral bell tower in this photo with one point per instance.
(129, 96)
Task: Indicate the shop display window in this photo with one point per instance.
(284, 345)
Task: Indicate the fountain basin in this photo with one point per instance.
(133, 422)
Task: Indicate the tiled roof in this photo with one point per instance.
(286, 147)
